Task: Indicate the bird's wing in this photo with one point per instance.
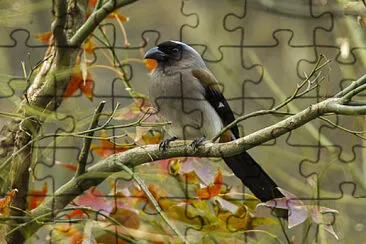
(213, 94)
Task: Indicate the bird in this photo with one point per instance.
(184, 91)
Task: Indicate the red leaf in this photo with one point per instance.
(35, 197)
(44, 37)
(212, 190)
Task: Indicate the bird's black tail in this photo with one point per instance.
(255, 178)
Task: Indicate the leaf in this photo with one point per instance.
(317, 215)
(87, 88)
(126, 216)
(330, 229)
(44, 37)
(138, 108)
(83, 68)
(88, 236)
(70, 230)
(89, 46)
(35, 197)
(121, 17)
(92, 3)
(298, 212)
(107, 148)
(152, 137)
(150, 64)
(199, 167)
(211, 190)
(67, 166)
(226, 205)
(5, 201)
(94, 199)
(143, 236)
(174, 167)
(77, 82)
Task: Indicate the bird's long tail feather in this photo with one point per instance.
(254, 177)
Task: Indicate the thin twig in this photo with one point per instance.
(83, 157)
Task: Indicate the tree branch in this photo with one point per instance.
(134, 157)
(60, 13)
(94, 20)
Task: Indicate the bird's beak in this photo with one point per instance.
(155, 53)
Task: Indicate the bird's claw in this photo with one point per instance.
(164, 145)
(197, 142)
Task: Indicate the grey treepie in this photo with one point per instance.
(184, 91)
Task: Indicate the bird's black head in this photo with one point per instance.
(174, 56)
(168, 50)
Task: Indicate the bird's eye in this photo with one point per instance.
(175, 50)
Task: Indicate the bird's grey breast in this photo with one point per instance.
(179, 98)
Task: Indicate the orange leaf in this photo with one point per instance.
(212, 190)
(35, 197)
(152, 137)
(44, 37)
(107, 148)
(4, 202)
(87, 88)
(92, 3)
(191, 177)
(77, 82)
(89, 46)
(67, 166)
(121, 17)
(70, 231)
(150, 64)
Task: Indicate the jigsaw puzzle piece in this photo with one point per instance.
(211, 21)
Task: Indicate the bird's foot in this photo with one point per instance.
(197, 142)
(164, 145)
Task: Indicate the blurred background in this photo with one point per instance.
(260, 50)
